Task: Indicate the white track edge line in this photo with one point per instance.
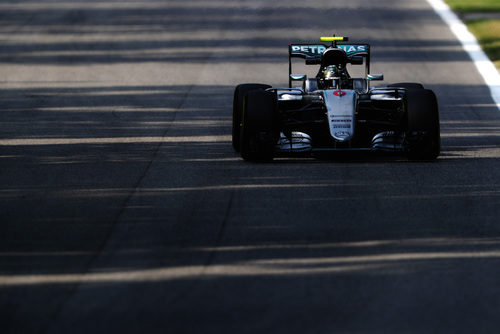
(469, 42)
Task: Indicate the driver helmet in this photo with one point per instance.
(331, 71)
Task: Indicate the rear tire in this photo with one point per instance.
(408, 85)
(259, 133)
(424, 140)
(239, 94)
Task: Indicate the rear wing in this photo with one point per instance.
(316, 50)
(312, 53)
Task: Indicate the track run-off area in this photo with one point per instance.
(124, 209)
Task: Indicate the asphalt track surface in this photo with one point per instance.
(124, 209)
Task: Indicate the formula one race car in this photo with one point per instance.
(334, 112)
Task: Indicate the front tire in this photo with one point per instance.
(408, 85)
(259, 133)
(239, 94)
(423, 136)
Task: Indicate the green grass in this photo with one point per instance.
(487, 33)
(471, 6)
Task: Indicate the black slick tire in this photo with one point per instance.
(423, 133)
(239, 94)
(258, 131)
(408, 85)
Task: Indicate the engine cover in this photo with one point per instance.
(341, 107)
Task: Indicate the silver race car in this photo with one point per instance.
(334, 112)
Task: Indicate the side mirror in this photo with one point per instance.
(375, 77)
(298, 77)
